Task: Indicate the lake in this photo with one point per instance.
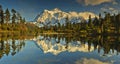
(60, 49)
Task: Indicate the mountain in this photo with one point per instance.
(52, 17)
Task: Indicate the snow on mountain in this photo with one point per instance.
(56, 15)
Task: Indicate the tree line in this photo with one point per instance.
(6, 16)
(109, 24)
(13, 22)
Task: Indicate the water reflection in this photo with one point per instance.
(91, 61)
(60, 49)
(10, 47)
(55, 44)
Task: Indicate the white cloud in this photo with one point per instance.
(91, 61)
(110, 10)
(96, 2)
(86, 15)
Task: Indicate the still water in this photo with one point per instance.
(61, 49)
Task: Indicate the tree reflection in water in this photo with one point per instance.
(11, 43)
(110, 45)
(107, 45)
(10, 46)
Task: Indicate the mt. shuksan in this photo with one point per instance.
(56, 15)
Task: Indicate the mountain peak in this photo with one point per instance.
(56, 15)
(56, 9)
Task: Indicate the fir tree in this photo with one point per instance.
(7, 17)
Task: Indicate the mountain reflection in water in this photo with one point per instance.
(55, 44)
(60, 49)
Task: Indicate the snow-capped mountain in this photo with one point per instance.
(57, 16)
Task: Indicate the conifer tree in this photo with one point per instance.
(7, 17)
(1, 15)
(90, 24)
(14, 15)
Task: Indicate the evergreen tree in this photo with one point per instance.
(118, 22)
(59, 25)
(19, 17)
(107, 18)
(67, 23)
(1, 15)
(7, 17)
(14, 15)
(13, 18)
(100, 19)
(96, 22)
(107, 24)
(23, 21)
(90, 24)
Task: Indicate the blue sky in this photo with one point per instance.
(30, 8)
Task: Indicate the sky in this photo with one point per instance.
(31, 8)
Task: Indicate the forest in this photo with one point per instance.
(12, 22)
(107, 25)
